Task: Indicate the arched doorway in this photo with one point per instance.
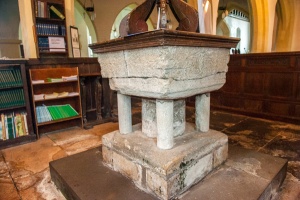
(87, 33)
(233, 21)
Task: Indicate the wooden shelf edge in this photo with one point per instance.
(11, 87)
(17, 141)
(59, 120)
(58, 82)
(51, 99)
(12, 108)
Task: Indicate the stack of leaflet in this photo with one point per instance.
(43, 114)
(62, 111)
(54, 79)
(69, 78)
(48, 113)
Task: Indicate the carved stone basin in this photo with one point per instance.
(164, 67)
(165, 64)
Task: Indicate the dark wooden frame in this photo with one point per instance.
(75, 30)
(27, 107)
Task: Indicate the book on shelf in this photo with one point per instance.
(37, 81)
(73, 94)
(54, 95)
(13, 97)
(54, 80)
(57, 12)
(38, 97)
(10, 77)
(54, 112)
(70, 78)
(51, 96)
(13, 125)
(43, 29)
(63, 94)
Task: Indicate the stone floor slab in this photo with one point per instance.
(90, 179)
(8, 190)
(32, 157)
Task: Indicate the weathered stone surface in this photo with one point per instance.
(220, 155)
(149, 122)
(198, 171)
(8, 190)
(128, 168)
(167, 172)
(32, 157)
(119, 66)
(74, 140)
(157, 185)
(202, 112)
(189, 146)
(107, 156)
(175, 62)
(167, 88)
(124, 114)
(164, 115)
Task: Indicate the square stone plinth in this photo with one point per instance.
(165, 173)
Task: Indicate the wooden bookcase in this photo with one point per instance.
(50, 28)
(14, 108)
(45, 87)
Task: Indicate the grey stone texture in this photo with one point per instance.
(166, 71)
(164, 115)
(202, 105)
(124, 113)
(149, 122)
(165, 173)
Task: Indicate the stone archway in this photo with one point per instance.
(262, 14)
(284, 26)
(223, 29)
(86, 29)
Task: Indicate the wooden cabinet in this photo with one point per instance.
(55, 87)
(50, 28)
(95, 92)
(14, 103)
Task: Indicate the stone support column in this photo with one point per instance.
(164, 116)
(202, 112)
(124, 113)
(149, 122)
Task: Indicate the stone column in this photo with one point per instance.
(202, 112)
(164, 116)
(149, 122)
(124, 113)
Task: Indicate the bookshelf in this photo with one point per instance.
(15, 114)
(52, 90)
(50, 28)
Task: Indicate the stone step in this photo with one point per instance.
(245, 175)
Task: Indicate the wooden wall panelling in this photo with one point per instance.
(263, 85)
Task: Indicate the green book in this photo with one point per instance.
(10, 129)
(57, 12)
(58, 112)
(54, 79)
(19, 76)
(2, 78)
(1, 131)
(52, 113)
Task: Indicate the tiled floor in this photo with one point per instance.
(24, 169)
